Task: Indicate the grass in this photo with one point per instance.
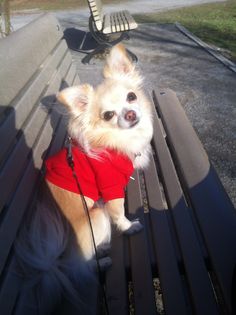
(213, 23)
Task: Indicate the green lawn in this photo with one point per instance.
(213, 23)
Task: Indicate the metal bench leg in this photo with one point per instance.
(90, 55)
(100, 48)
(105, 42)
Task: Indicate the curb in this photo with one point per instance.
(228, 63)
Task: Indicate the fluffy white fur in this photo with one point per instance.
(128, 131)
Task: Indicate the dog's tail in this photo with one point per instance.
(55, 277)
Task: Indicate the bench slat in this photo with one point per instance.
(11, 172)
(28, 54)
(65, 65)
(17, 209)
(129, 20)
(23, 107)
(15, 213)
(12, 284)
(219, 225)
(174, 299)
(77, 80)
(9, 175)
(37, 123)
(22, 198)
(71, 74)
(118, 21)
(116, 279)
(143, 287)
(196, 272)
(60, 131)
(95, 7)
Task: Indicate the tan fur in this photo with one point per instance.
(72, 207)
(88, 127)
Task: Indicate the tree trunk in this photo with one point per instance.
(5, 23)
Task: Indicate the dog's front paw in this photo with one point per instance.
(103, 250)
(104, 264)
(135, 227)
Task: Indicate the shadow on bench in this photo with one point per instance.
(184, 260)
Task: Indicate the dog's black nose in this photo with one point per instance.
(130, 115)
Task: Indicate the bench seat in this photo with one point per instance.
(118, 22)
(104, 25)
(35, 65)
(114, 22)
(184, 261)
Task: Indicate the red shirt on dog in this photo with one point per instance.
(104, 177)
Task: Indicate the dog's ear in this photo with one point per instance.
(119, 66)
(118, 62)
(76, 97)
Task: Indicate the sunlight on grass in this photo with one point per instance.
(213, 23)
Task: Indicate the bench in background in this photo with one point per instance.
(184, 260)
(103, 27)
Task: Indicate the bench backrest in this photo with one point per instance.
(35, 64)
(95, 7)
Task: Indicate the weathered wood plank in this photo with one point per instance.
(65, 65)
(11, 172)
(28, 54)
(31, 126)
(144, 296)
(116, 279)
(196, 272)
(22, 196)
(214, 211)
(7, 301)
(26, 102)
(174, 299)
(15, 211)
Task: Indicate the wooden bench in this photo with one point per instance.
(184, 260)
(35, 64)
(103, 27)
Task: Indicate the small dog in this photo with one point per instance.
(111, 129)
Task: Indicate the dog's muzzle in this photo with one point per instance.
(129, 118)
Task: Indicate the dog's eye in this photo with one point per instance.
(108, 115)
(131, 97)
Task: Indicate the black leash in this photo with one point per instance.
(70, 161)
